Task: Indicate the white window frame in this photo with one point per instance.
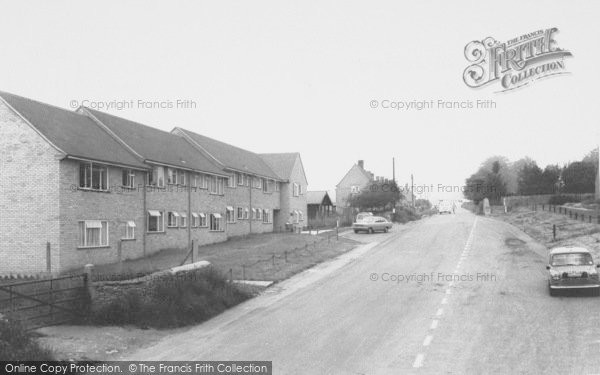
(266, 216)
(84, 225)
(129, 175)
(230, 215)
(259, 212)
(295, 190)
(216, 218)
(300, 191)
(276, 185)
(253, 213)
(300, 216)
(240, 213)
(102, 183)
(129, 230)
(246, 213)
(156, 177)
(203, 220)
(181, 177)
(183, 223)
(160, 223)
(231, 181)
(195, 220)
(240, 179)
(175, 216)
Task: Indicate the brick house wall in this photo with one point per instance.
(29, 208)
(117, 206)
(343, 191)
(289, 202)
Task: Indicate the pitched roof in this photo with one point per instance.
(73, 133)
(317, 197)
(155, 145)
(230, 156)
(282, 164)
(369, 175)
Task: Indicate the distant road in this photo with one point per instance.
(336, 320)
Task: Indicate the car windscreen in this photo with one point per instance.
(572, 259)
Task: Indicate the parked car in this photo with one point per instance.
(361, 215)
(572, 268)
(371, 224)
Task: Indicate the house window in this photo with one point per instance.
(156, 221)
(248, 180)
(93, 233)
(93, 176)
(254, 214)
(157, 177)
(259, 214)
(230, 215)
(128, 178)
(129, 230)
(216, 222)
(172, 217)
(240, 213)
(171, 176)
(246, 214)
(183, 220)
(203, 223)
(300, 189)
(265, 185)
(194, 180)
(296, 190)
(217, 185)
(276, 185)
(181, 177)
(300, 216)
(295, 216)
(195, 220)
(231, 181)
(266, 216)
(240, 179)
(355, 189)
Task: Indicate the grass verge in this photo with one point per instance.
(17, 344)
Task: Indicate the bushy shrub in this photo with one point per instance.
(174, 301)
(562, 199)
(404, 215)
(16, 344)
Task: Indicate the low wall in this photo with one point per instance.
(103, 293)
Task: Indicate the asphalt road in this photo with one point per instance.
(392, 307)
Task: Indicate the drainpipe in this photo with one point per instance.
(251, 217)
(189, 211)
(144, 228)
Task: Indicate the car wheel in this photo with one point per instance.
(371, 231)
(596, 292)
(356, 231)
(552, 292)
(385, 230)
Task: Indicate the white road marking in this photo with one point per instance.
(439, 312)
(434, 324)
(419, 360)
(427, 340)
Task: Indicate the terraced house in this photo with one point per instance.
(89, 187)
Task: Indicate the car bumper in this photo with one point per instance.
(574, 284)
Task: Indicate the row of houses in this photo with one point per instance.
(84, 186)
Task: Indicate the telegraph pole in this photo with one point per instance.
(394, 169)
(412, 189)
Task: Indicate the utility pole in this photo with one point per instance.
(412, 189)
(394, 169)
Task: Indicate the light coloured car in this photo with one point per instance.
(572, 268)
(446, 207)
(372, 224)
(362, 215)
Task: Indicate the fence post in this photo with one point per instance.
(337, 233)
(192, 251)
(48, 258)
(88, 282)
(553, 232)
(51, 300)
(285, 255)
(231, 275)
(243, 272)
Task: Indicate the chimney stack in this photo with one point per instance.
(361, 163)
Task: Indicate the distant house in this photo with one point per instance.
(321, 210)
(289, 168)
(353, 182)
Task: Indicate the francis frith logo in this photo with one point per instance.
(515, 63)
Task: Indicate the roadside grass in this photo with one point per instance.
(265, 257)
(539, 225)
(174, 301)
(17, 344)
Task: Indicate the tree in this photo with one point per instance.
(378, 196)
(530, 179)
(487, 182)
(579, 177)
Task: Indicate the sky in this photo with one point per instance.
(283, 76)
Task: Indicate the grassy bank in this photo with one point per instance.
(16, 344)
(174, 301)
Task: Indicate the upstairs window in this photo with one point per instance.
(181, 177)
(240, 179)
(157, 177)
(217, 185)
(296, 190)
(128, 180)
(231, 181)
(171, 176)
(93, 233)
(93, 176)
(276, 185)
(265, 185)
